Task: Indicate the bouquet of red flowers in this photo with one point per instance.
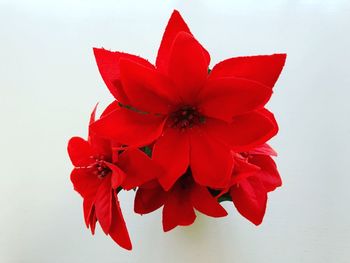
(184, 136)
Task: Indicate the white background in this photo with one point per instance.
(49, 83)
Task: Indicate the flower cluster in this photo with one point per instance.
(184, 137)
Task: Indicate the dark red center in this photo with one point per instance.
(185, 117)
(99, 167)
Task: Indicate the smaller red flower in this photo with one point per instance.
(100, 173)
(179, 202)
(250, 185)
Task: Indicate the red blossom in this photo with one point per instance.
(250, 187)
(193, 118)
(100, 173)
(204, 132)
(179, 202)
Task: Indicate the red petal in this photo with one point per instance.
(108, 65)
(205, 203)
(146, 89)
(172, 152)
(250, 199)
(269, 115)
(103, 205)
(100, 146)
(92, 221)
(117, 177)
(226, 97)
(263, 69)
(88, 208)
(178, 210)
(129, 127)
(264, 149)
(268, 174)
(246, 131)
(93, 114)
(110, 108)
(188, 68)
(148, 200)
(138, 167)
(79, 151)
(211, 161)
(175, 25)
(242, 170)
(85, 183)
(118, 230)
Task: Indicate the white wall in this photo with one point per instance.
(49, 83)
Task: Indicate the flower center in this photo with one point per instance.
(186, 117)
(98, 167)
(101, 169)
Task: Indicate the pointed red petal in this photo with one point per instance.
(118, 175)
(129, 127)
(79, 151)
(110, 108)
(93, 114)
(188, 68)
(103, 205)
(250, 198)
(118, 230)
(85, 183)
(108, 65)
(205, 203)
(226, 97)
(138, 167)
(242, 170)
(172, 152)
(264, 149)
(246, 131)
(268, 174)
(263, 69)
(146, 89)
(148, 200)
(211, 161)
(175, 25)
(92, 222)
(178, 210)
(88, 208)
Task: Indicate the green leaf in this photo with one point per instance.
(147, 150)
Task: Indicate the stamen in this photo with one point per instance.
(186, 117)
(98, 167)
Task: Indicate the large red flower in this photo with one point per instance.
(100, 173)
(193, 118)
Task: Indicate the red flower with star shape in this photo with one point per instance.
(193, 118)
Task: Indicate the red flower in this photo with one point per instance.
(179, 202)
(100, 173)
(194, 119)
(249, 192)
